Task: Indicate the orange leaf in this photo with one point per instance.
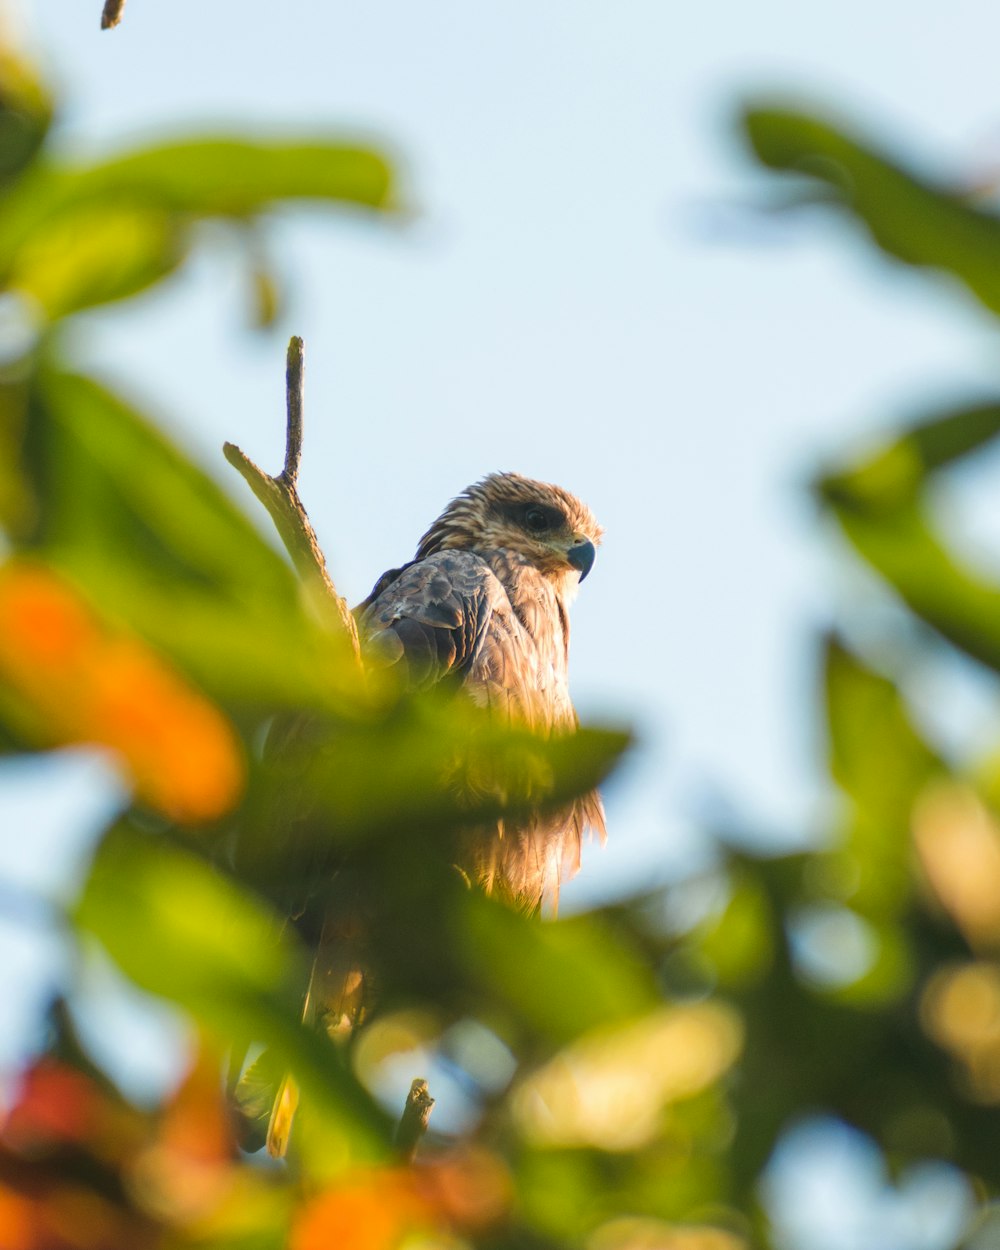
(372, 1210)
(55, 1103)
(470, 1188)
(19, 1228)
(196, 1121)
(85, 684)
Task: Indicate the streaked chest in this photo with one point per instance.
(522, 666)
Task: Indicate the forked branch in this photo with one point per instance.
(280, 497)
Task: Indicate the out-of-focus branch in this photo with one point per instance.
(280, 497)
(413, 1122)
(112, 14)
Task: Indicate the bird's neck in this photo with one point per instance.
(521, 576)
(540, 599)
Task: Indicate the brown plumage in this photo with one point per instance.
(485, 602)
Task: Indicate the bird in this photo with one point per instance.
(483, 606)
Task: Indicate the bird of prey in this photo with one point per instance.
(483, 605)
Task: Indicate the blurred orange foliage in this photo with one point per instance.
(370, 1210)
(187, 1170)
(82, 1169)
(17, 1222)
(82, 683)
(69, 1217)
(378, 1208)
(55, 1103)
(470, 1188)
(64, 1146)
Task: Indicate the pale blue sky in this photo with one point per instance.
(565, 306)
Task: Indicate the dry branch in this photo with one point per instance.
(413, 1122)
(113, 12)
(280, 497)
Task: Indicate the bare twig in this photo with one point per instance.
(280, 497)
(112, 14)
(295, 365)
(413, 1122)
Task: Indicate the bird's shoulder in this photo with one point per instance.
(432, 615)
(438, 589)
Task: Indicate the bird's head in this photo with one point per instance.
(544, 523)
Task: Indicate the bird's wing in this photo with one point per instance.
(432, 618)
(450, 615)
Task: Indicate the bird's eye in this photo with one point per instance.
(536, 520)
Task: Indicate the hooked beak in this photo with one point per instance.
(581, 556)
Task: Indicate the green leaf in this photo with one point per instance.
(902, 548)
(891, 973)
(943, 438)
(891, 477)
(430, 763)
(881, 763)
(226, 177)
(25, 115)
(181, 930)
(913, 219)
(565, 1194)
(878, 503)
(71, 238)
(876, 755)
(17, 507)
(739, 943)
(106, 479)
(101, 252)
(559, 980)
(156, 542)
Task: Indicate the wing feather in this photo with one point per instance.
(492, 624)
(433, 616)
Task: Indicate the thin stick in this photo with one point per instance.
(413, 1122)
(295, 367)
(280, 497)
(113, 13)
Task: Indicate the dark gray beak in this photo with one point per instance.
(582, 557)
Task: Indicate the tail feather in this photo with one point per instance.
(265, 1097)
(279, 1129)
(524, 864)
(252, 1096)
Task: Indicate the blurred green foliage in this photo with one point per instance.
(629, 1078)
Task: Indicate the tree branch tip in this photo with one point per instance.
(237, 457)
(420, 1092)
(112, 14)
(280, 498)
(294, 373)
(413, 1122)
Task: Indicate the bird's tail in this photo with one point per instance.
(526, 861)
(266, 1097)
